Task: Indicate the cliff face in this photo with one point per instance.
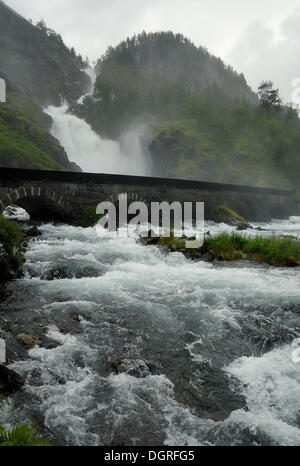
(39, 71)
(35, 64)
(23, 144)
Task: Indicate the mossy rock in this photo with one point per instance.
(88, 217)
(223, 214)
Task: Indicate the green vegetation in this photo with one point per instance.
(12, 247)
(36, 63)
(57, 40)
(32, 110)
(226, 215)
(151, 77)
(239, 144)
(23, 144)
(175, 58)
(89, 218)
(278, 251)
(204, 121)
(21, 436)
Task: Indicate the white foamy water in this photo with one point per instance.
(210, 345)
(92, 152)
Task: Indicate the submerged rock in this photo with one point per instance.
(150, 239)
(32, 232)
(135, 367)
(10, 381)
(75, 317)
(260, 229)
(244, 226)
(59, 273)
(28, 340)
(223, 214)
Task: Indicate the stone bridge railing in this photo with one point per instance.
(66, 194)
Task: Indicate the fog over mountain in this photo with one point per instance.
(157, 104)
(232, 30)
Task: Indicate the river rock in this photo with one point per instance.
(32, 232)
(135, 367)
(28, 340)
(150, 239)
(10, 381)
(223, 214)
(260, 229)
(75, 317)
(59, 273)
(244, 226)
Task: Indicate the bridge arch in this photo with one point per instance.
(40, 203)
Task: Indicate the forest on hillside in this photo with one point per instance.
(203, 120)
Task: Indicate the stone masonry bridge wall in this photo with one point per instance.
(64, 195)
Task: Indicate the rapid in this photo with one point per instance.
(163, 350)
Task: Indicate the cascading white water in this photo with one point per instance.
(93, 153)
(184, 327)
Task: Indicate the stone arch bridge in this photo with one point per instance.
(64, 195)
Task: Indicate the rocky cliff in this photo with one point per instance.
(37, 64)
(39, 70)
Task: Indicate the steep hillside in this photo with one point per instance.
(36, 62)
(175, 58)
(24, 144)
(204, 122)
(39, 70)
(150, 76)
(239, 145)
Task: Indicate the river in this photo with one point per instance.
(166, 351)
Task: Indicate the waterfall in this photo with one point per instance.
(93, 153)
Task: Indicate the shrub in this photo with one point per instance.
(12, 247)
(21, 436)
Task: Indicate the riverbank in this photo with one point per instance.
(13, 243)
(277, 251)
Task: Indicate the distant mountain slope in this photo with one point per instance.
(176, 58)
(37, 64)
(39, 70)
(150, 76)
(24, 144)
(203, 121)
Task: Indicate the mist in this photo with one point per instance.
(95, 154)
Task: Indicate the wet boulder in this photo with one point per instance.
(243, 226)
(32, 232)
(150, 239)
(223, 214)
(75, 317)
(29, 341)
(260, 229)
(10, 381)
(135, 367)
(59, 273)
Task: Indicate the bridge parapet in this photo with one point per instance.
(66, 194)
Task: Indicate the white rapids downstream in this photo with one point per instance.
(207, 348)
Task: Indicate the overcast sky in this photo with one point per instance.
(260, 38)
